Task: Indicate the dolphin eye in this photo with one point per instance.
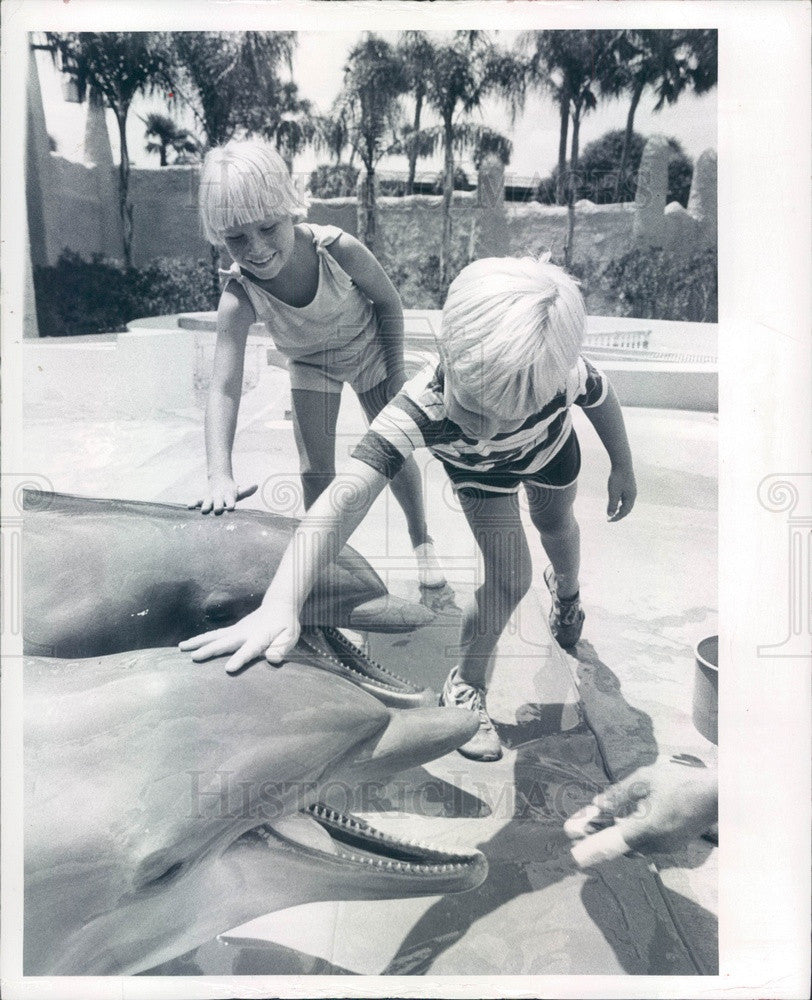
(219, 606)
(146, 880)
(168, 875)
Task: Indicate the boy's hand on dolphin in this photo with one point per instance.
(272, 630)
(223, 494)
(656, 808)
(622, 492)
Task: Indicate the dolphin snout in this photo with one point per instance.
(412, 737)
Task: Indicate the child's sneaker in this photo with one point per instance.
(566, 615)
(429, 572)
(485, 744)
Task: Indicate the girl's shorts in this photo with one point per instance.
(559, 473)
(362, 365)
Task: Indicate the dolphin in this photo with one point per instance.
(105, 576)
(167, 802)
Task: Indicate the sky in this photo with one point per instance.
(317, 70)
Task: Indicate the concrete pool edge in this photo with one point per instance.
(660, 364)
(128, 374)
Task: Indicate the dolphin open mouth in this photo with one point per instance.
(344, 841)
(329, 649)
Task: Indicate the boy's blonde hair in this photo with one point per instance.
(512, 331)
(245, 181)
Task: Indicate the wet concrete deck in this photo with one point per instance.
(649, 590)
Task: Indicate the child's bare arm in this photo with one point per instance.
(607, 419)
(372, 280)
(235, 314)
(273, 629)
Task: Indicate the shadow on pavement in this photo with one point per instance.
(615, 918)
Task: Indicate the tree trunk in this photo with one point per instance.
(448, 194)
(627, 138)
(125, 209)
(572, 184)
(418, 107)
(162, 152)
(366, 215)
(564, 108)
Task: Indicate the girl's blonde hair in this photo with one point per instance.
(245, 181)
(512, 331)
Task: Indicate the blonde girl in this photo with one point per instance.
(330, 309)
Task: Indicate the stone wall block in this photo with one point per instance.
(490, 238)
(652, 189)
(702, 200)
(681, 231)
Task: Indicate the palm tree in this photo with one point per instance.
(666, 61)
(187, 146)
(164, 130)
(585, 57)
(543, 71)
(490, 142)
(231, 82)
(418, 53)
(373, 82)
(459, 78)
(231, 79)
(332, 132)
(291, 123)
(576, 68)
(118, 66)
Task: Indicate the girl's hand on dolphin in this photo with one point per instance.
(622, 492)
(223, 494)
(272, 630)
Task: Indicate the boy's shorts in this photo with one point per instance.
(559, 473)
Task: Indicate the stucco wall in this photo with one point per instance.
(80, 212)
(602, 231)
(165, 220)
(77, 214)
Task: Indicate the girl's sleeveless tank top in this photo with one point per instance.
(333, 330)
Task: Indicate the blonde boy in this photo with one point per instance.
(496, 412)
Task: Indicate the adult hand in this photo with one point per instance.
(273, 630)
(622, 492)
(222, 494)
(656, 808)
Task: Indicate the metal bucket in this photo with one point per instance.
(706, 688)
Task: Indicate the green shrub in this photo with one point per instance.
(598, 167)
(77, 296)
(460, 181)
(418, 280)
(652, 284)
(390, 187)
(334, 180)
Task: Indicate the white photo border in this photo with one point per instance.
(764, 324)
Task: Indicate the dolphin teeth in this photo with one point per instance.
(371, 833)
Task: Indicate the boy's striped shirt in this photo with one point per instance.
(416, 418)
